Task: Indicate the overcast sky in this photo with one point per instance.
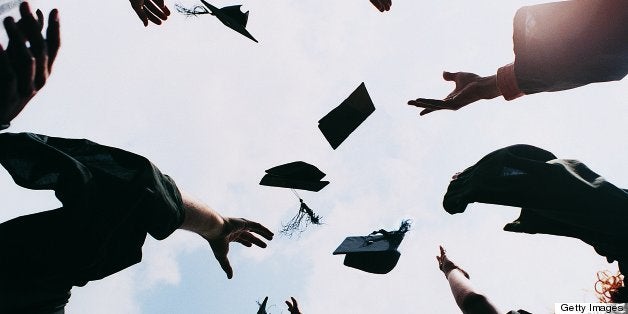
(213, 109)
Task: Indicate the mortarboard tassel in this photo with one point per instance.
(305, 213)
(196, 10)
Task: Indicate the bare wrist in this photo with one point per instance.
(490, 88)
(201, 219)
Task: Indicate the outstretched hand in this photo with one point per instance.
(293, 307)
(469, 88)
(236, 230)
(26, 63)
(150, 10)
(446, 265)
(382, 5)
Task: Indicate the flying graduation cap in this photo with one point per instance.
(231, 16)
(339, 123)
(262, 306)
(375, 253)
(297, 175)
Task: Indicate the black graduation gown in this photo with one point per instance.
(557, 196)
(111, 199)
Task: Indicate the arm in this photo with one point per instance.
(467, 298)
(219, 231)
(558, 46)
(24, 68)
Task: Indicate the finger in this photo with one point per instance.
(249, 237)
(294, 302)
(442, 251)
(448, 76)
(377, 5)
(139, 10)
(21, 58)
(151, 7)
(225, 265)
(162, 6)
(40, 18)
(53, 37)
(244, 242)
(388, 4)
(259, 229)
(152, 17)
(289, 305)
(428, 103)
(426, 111)
(32, 30)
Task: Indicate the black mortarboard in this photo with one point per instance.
(231, 16)
(295, 175)
(339, 123)
(375, 253)
(262, 306)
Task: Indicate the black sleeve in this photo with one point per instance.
(98, 184)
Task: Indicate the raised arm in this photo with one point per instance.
(219, 231)
(26, 63)
(571, 44)
(467, 298)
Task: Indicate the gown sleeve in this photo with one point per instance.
(111, 199)
(564, 45)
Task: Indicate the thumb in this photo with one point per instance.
(448, 76)
(225, 265)
(220, 253)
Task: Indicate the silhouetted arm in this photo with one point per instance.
(467, 298)
(26, 63)
(219, 231)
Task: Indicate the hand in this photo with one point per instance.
(24, 68)
(469, 88)
(446, 266)
(382, 5)
(294, 307)
(153, 10)
(236, 230)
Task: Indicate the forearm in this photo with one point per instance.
(200, 218)
(467, 298)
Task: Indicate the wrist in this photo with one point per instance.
(201, 219)
(458, 269)
(490, 89)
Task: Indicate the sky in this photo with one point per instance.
(213, 110)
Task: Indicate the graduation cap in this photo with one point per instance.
(262, 306)
(297, 175)
(375, 253)
(339, 123)
(231, 16)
